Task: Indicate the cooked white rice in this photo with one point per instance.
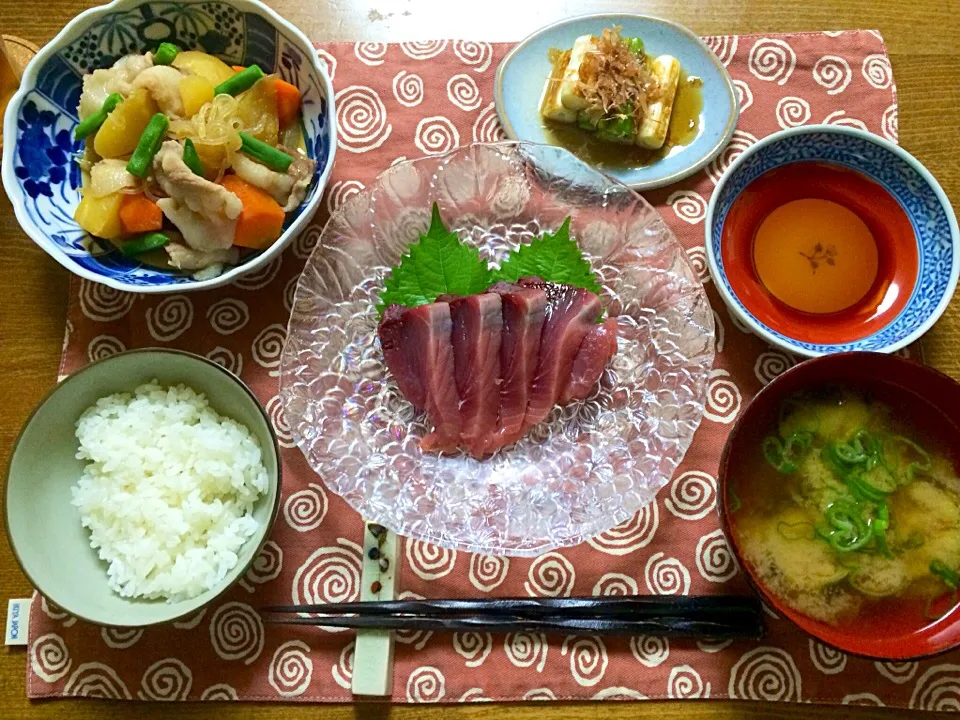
(168, 492)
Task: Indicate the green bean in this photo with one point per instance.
(165, 53)
(92, 123)
(265, 154)
(148, 145)
(239, 82)
(191, 159)
(144, 243)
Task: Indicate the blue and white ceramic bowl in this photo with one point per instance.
(910, 184)
(39, 174)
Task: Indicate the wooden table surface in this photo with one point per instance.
(923, 37)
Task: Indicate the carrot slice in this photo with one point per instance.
(238, 68)
(288, 102)
(261, 220)
(139, 214)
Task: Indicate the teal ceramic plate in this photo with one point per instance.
(522, 73)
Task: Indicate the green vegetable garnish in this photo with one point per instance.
(191, 159)
(618, 127)
(260, 151)
(165, 53)
(946, 573)
(144, 243)
(148, 146)
(784, 456)
(90, 124)
(635, 45)
(879, 527)
(849, 530)
(439, 263)
(243, 80)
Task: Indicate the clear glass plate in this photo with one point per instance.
(593, 463)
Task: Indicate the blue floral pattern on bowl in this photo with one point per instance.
(46, 181)
(921, 198)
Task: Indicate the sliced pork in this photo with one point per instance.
(595, 352)
(523, 310)
(572, 313)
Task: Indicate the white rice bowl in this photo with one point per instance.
(168, 492)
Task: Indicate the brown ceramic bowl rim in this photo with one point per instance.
(274, 511)
(768, 598)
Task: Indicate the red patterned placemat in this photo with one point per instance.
(403, 100)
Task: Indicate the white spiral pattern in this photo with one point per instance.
(588, 659)
(474, 695)
(649, 650)
(120, 638)
(740, 141)
(772, 60)
(426, 685)
(938, 689)
(833, 73)
(463, 92)
(826, 659)
(370, 53)
(666, 575)
(550, 575)
(305, 509)
(719, 332)
(291, 669)
(723, 398)
(170, 318)
(49, 657)
(898, 672)
(226, 358)
(698, 261)
(618, 693)
(771, 364)
(305, 242)
(168, 680)
(474, 647)
(261, 277)
(417, 638)
(191, 622)
(867, 699)
(281, 427)
(744, 94)
(102, 303)
(715, 561)
(890, 123)
(488, 572)
(615, 583)
(329, 61)
(693, 495)
(713, 646)
(343, 671)
(236, 632)
(228, 315)
(54, 612)
(436, 135)
(429, 561)
(630, 536)
(486, 128)
(839, 117)
(543, 694)
(740, 325)
(267, 346)
(765, 673)
(330, 574)
(289, 291)
(219, 692)
(688, 205)
(266, 565)
(685, 683)
(96, 680)
(408, 88)
(723, 46)
(526, 649)
(423, 49)
(477, 55)
(361, 119)
(877, 71)
(792, 112)
(103, 346)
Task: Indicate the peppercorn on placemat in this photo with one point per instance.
(404, 100)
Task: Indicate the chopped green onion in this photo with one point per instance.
(266, 154)
(879, 528)
(165, 53)
(850, 529)
(635, 45)
(191, 159)
(144, 243)
(92, 123)
(148, 145)
(243, 80)
(946, 573)
(784, 456)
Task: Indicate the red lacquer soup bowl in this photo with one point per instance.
(923, 399)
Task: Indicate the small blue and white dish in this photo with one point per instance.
(520, 77)
(917, 270)
(39, 173)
